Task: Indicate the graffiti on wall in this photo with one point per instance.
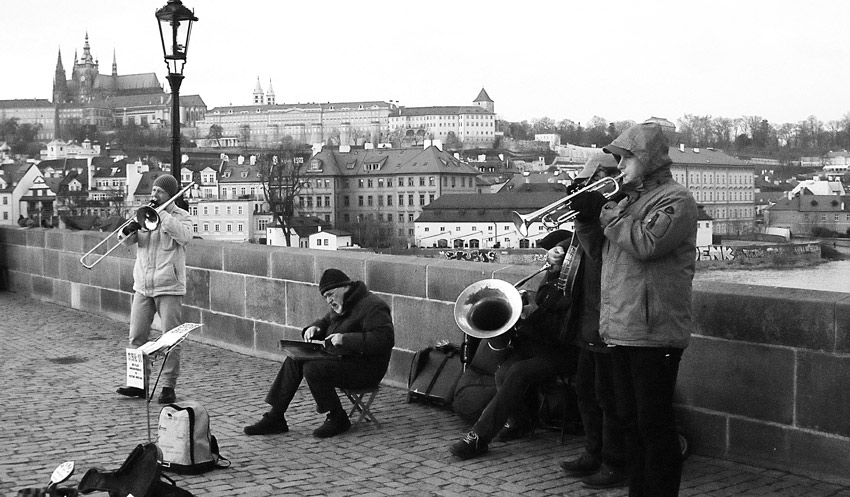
(727, 253)
(470, 255)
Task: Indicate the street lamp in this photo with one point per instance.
(175, 27)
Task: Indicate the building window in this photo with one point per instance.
(421, 199)
(229, 228)
(239, 227)
(400, 199)
(389, 200)
(346, 201)
(360, 200)
(410, 181)
(369, 201)
(422, 181)
(410, 199)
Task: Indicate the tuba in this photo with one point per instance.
(491, 307)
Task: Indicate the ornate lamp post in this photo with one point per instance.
(175, 27)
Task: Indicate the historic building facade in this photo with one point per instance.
(106, 100)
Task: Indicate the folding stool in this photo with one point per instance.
(361, 400)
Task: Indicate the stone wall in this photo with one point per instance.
(764, 379)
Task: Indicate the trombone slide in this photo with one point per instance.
(147, 216)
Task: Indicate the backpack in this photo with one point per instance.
(434, 373)
(184, 438)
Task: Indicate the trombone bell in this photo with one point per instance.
(488, 308)
(148, 218)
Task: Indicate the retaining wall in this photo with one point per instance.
(763, 381)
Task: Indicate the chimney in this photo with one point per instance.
(682, 147)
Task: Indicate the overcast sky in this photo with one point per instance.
(783, 60)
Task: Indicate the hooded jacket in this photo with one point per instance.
(160, 267)
(366, 325)
(648, 252)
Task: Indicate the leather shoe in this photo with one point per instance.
(267, 426)
(334, 424)
(131, 392)
(583, 465)
(606, 477)
(167, 396)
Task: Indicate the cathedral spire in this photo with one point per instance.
(114, 64)
(258, 93)
(270, 94)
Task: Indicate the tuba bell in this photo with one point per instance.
(488, 308)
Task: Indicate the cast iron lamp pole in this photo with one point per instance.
(175, 27)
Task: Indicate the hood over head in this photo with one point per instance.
(645, 141)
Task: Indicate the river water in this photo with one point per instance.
(829, 276)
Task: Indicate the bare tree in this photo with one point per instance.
(282, 176)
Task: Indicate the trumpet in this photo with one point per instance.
(491, 307)
(610, 186)
(146, 216)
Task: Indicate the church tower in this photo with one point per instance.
(270, 94)
(85, 73)
(258, 93)
(60, 84)
(484, 101)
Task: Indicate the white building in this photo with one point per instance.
(481, 220)
(330, 240)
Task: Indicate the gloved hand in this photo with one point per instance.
(575, 185)
(131, 228)
(588, 205)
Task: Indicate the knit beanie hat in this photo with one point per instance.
(167, 183)
(333, 278)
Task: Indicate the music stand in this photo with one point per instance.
(161, 346)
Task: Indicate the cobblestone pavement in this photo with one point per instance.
(60, 369)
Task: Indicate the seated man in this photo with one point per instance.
(539, 350)
(358, 327)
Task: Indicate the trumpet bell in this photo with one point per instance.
(488, 308)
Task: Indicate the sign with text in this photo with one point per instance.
(135, 368)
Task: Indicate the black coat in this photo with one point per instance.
(365, 323)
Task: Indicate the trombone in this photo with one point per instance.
(611, 185)
(147, 217)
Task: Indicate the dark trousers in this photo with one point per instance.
(513, 379)
(604, 435)
(644, 380)
(323, 377)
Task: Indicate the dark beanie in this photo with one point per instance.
(167, 183)
(333, 278)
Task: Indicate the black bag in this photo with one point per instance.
(477, 385)
(140, 475)
(434, 374)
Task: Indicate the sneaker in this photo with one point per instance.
(583, 465)
(167, 396)
(606, 477)
(267, 426)
(334, 425)
(471, 446)
(513, 432)
(131, 392)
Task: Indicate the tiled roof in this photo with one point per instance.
(483, 96)
(484, 207)
(310, 106)
(25, 103)
(236, 173)
(392, 161)
(439, 110)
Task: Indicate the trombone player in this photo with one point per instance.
(159, 278)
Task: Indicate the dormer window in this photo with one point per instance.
(226, 174)
(244, 174)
